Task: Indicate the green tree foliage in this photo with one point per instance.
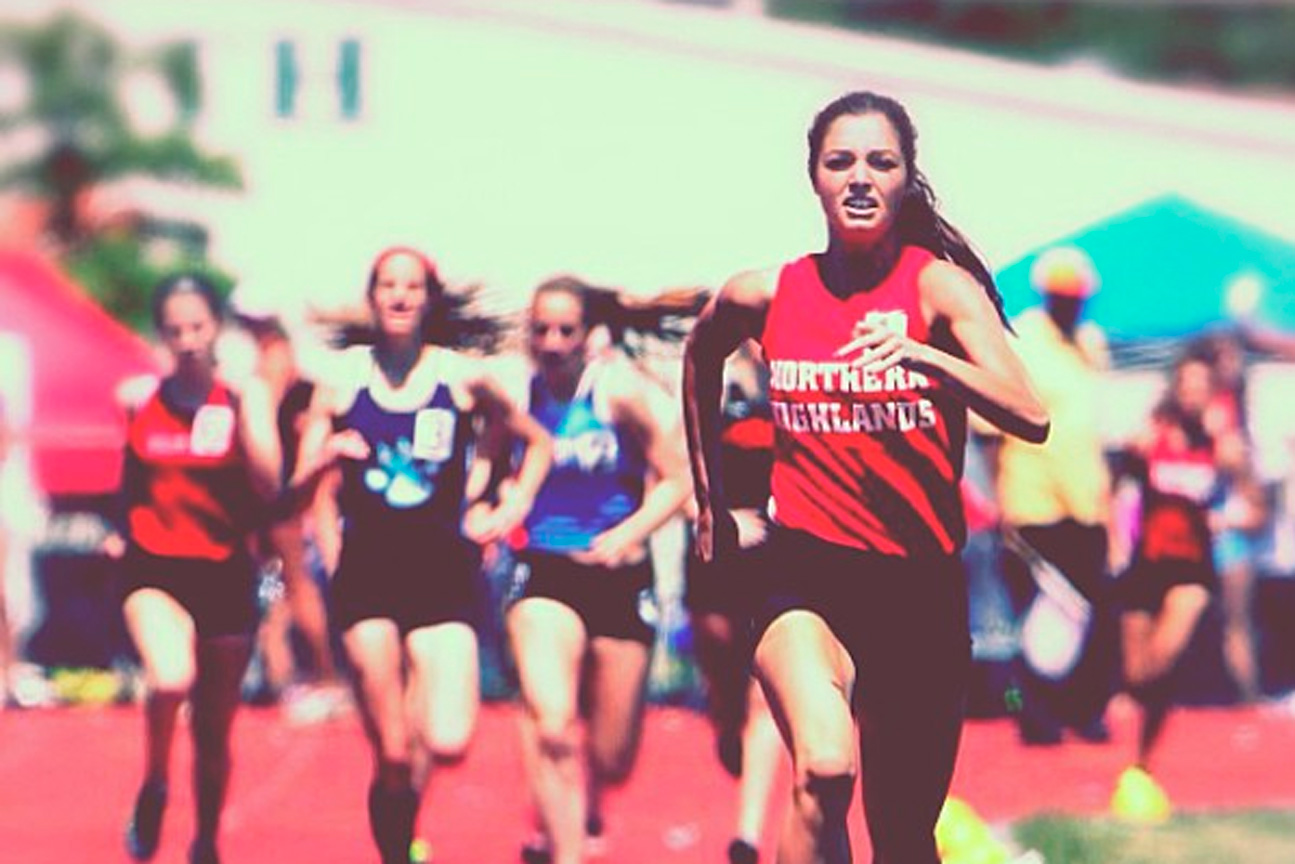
(1224, 43)
(74, 71)
(116, 270)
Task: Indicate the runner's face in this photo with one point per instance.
(557, 332)
(399, 296)
(1194, 387)
(860, 176)
(189, 331)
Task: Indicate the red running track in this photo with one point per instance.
(67, 777)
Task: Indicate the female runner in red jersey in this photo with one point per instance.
(1187, 460)
(876, 347)
(200, 459)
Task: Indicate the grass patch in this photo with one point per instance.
(1252, 837)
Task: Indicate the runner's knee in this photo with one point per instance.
(823, 793)
(448, 746)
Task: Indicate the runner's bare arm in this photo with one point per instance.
(733, 315)
(518, 493)
(991, 380)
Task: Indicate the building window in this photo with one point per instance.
(349, 78)
(287, 78)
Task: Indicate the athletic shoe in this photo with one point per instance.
(145, 828)
(595, 844)
(1139, 800)
(420, 851)
(308, 705)
(537, 851)
(29, 688)
(960, 832)
(742, 852)
(1038, 733)
(1094, 731)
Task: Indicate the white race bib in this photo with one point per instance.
(213, 431)
(896, 322)
(433, 434)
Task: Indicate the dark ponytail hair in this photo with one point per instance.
(181, 283)
(919, 222)
(452, 318)
(1169, 409)
(631, 321)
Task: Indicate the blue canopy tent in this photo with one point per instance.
(1164, 266)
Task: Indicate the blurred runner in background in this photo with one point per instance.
(583, 614)
(397, 423)
(201, 462)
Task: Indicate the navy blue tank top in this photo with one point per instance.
(596, 479)
(412, 483)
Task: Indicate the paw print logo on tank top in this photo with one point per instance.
(405, 473)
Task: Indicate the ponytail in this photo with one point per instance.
(632, 321)
(920, 224)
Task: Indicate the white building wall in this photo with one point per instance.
(647, 144)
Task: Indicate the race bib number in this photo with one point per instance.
(433, 434)
(896, 322)
(213, 431)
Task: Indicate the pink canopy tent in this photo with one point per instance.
(79, 356)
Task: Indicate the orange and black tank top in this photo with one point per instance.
(187, 489)
(871, 461)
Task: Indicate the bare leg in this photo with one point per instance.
(727, 683)
(443, 694)
(273, 639)
(909, 733)
(762, 751)
(304, 599)
(1152, 648)
(807, 678)
(163, 633)
(376, 656)
(749, 744)
(615, 682)
(8, 648)
(549, 643)
(1238, 583)
(221, 663)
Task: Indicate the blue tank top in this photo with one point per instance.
(596, 479)
(412, 483)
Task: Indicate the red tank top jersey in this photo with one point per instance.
(188, 494)
(1182, 480)
(862, 460)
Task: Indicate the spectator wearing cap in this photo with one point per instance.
(1056, 495)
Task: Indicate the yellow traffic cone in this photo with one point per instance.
(1139, 800)
(962, 837)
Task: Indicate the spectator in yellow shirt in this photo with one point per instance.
(1056, 495)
